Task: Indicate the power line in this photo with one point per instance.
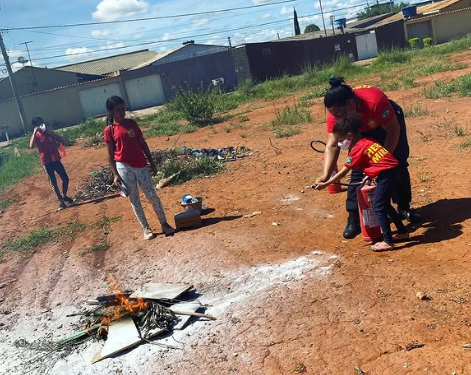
(147, 18)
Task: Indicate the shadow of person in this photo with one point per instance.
(442, 220)
(215, 220)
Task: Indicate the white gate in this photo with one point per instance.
(367, 47)
(145, 92)
(94, 99)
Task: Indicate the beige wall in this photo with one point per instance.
(450, 26)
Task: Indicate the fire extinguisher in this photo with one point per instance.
(334, 188)
(370, 228)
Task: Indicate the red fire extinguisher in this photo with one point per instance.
(370, 228)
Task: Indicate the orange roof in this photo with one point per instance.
(438, 6)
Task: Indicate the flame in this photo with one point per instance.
(132, 307)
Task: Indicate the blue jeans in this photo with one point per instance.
(386, 184)
(51, 170)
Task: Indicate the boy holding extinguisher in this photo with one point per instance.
(46, 141)
(376, 162)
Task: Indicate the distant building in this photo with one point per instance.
(32, 79)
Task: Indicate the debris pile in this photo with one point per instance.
(100, 183)
(125, 320)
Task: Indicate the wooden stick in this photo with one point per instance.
(199, 315)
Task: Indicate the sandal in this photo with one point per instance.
(400, 236)
(382, 246)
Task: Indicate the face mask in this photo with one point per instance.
(345, 144)
(42, 127)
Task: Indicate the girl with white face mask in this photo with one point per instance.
(46, 141)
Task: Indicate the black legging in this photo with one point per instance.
(51, 169)
(403, 194)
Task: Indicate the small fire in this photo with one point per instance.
(124, 303)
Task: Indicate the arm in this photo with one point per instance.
(146, 150)
(343, 172)
(56, 137)
(112, 162)
(392, 138)
(332, 152)
(32, 140)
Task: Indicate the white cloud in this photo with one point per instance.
(285, 10)
(199, 23)
(100, 33)
(110, 45)
(267, 16)
(262, 2)
(112, 10)
(77, 53)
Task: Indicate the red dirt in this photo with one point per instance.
(331, 310)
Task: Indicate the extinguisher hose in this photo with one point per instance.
(314, 145)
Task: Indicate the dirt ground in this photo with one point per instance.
(287, 297)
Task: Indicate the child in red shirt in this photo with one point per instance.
(376, 162)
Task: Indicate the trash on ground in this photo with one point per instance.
(414, 345)
(224, 154)
(253, 214)
(466, 346)
(190, 203)
(423, 296)
(275, 224)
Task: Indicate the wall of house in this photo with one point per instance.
(450, 26)
(194, 73)
(241, 64)
(391, 35)
(30, 80)
(190, 51)
(272, 59)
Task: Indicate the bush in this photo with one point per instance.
(414, 43)
(427, 42)
(291, 116)
(197, 106)
(190, 169)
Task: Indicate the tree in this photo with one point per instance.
(376, 10)
(297, 29)
(311, 28)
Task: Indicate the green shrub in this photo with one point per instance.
(427, 42)
(414, 43)
(286, 132)
(197, 106)
(190, 169)
(291, 115)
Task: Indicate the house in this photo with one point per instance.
(441, 21)
(358, 41)
(109, 66)
(32, 79)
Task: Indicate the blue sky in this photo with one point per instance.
(74, 44)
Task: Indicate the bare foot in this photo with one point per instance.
(168, 230)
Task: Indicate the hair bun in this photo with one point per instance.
(336, 81)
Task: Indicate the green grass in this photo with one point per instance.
(32, 240)
(243, 119)
(286, 132)
(190, 169)
(460, 86)
(5, 203)
(102, 246)
(90, 128)
(465, 145)
(14, 168)
(291, 115)
(233, 126)
(165, 123)
(416, 110)
(459, 130)
(105, 221)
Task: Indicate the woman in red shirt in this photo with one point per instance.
(383, 121)
(46, 142)
(127, 152)
(375, 161)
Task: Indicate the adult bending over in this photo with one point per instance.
(127, 152)
(383, 121)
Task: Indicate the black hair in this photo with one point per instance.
(339, 93)
(349, 124)
(111, 103)
(37, 120)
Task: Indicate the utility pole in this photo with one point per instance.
(323, 21)
(332, 17)
(230, 43)
(19, 104)
(35, 83)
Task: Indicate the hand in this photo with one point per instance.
(153, 169)
(36, 129)
(321, 186)
(366, 180)
(117, 180)
(322, 179)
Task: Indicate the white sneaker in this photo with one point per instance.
(148, 234)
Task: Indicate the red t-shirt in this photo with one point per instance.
(370, 157)
(128, 149)
(374, 107)
(47, 148)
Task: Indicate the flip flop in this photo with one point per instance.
(382, 246)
